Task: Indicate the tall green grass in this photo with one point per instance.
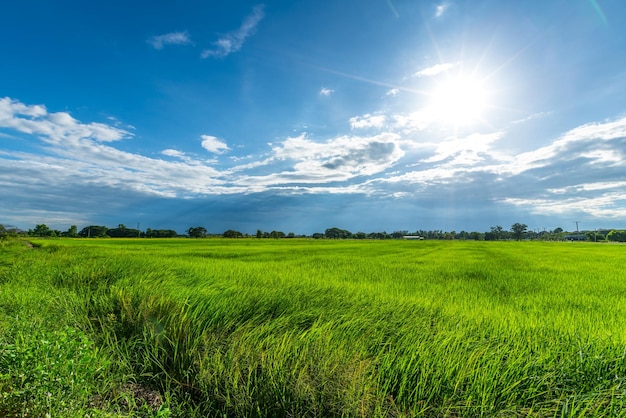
(313, 328)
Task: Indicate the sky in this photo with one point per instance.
(367, 115)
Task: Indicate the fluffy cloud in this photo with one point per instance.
(233, 41)
(347, 155)
(173, 153)
(367, 121)
(54, 127)
(470, 150)
(173, 38)
(440, 9)
(214, 144)
(326, 91)
(582, 170)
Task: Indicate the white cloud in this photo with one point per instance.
(54, 127)
(595, 130)
(531, 117)
(586, 187)
(441, 9)
(173, 38)
(435, 69)
(418, 120)
(326, 91)
(347, 155)
(392, 92)
(610, 205)
(214, 144)
(466, 151)
(367, 121)
(582, 170)
(590, 140)
(233, 41)
(173, 153)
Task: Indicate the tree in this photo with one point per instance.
(197, 232)
(72, 232)
(40, 230)
(518, 229)
(475, 236)
(277, 234)
(378, 235)
(160, 233)
(122, 232)
(232, 234)
(336, 233)
(259, 233)
(616, 236)
(93, 231)
(495, 234)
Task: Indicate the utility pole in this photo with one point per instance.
(576, 222)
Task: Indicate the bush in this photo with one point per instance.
(617, 236)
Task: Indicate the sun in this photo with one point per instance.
(459, 100)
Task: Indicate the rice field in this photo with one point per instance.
(312, 328)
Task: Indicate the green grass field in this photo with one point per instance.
(312, 328)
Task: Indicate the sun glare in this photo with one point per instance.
(459, 101)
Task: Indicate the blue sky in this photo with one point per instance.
(299, 116)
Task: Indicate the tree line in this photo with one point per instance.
(518, 231)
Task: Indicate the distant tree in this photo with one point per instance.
(336, 233)
(291, 235)
(557, 230)
(449, 235)
(518, 229)
(398, 234)
(197, 232)
(601, 235)
(122, 232)
(593, 236)
(40, 230)
(378, 235)
(259, 233)
(72, 232)
(93, 231)
(497, 232)
(7, 231)
(317, 235)
(616, 236)
(476, 236)
(232, 234)
(360, 235)
(160, 233)
(277, 234)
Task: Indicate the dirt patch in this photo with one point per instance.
(142, 396)
(130, 397)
